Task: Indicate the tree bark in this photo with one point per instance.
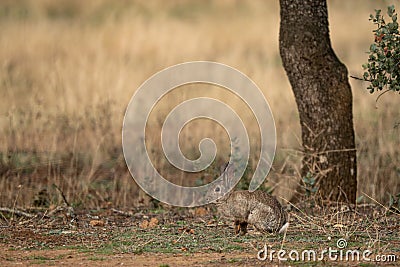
(323, 96)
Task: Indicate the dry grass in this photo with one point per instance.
(68, 70)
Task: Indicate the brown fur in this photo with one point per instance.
(257, 208)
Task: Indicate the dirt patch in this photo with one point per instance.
(69, 257)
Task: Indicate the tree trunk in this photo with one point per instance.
(323, 96)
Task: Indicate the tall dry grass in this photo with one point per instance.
(69, 68)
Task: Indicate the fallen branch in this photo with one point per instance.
(128, 214)
(17, 212)
(57, 209)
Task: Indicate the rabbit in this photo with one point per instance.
(257, 208)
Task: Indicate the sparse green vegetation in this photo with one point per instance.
(181, 234)
(382, 69)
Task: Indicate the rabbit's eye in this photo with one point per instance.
(217, 189)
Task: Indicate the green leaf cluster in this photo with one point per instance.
(383, 67)
(310, 184)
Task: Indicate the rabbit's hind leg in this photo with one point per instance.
(237, 227)
(243, 227)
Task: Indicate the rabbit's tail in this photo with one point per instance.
(284, 227)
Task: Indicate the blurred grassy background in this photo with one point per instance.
(69, 68)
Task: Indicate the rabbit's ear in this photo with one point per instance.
(230, 171)
(224, 167)
(228, 174)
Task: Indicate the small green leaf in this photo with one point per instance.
(314, 189)
(390, 10)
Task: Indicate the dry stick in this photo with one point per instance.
(17, 212)
(321, 152)
(62, 195)
(357, 78)
(68, 207)
(15, 201)
(5, 219)
(121, 212)
(145, 243)
(57, 209)
(386, 208)
(179, 238)
(45, 214)
(311, 219)
(251, 244)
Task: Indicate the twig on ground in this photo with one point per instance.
(57, 209)
(125, 213)
(179, 238)
(310, 219)
(17, 212)
(383, 206)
